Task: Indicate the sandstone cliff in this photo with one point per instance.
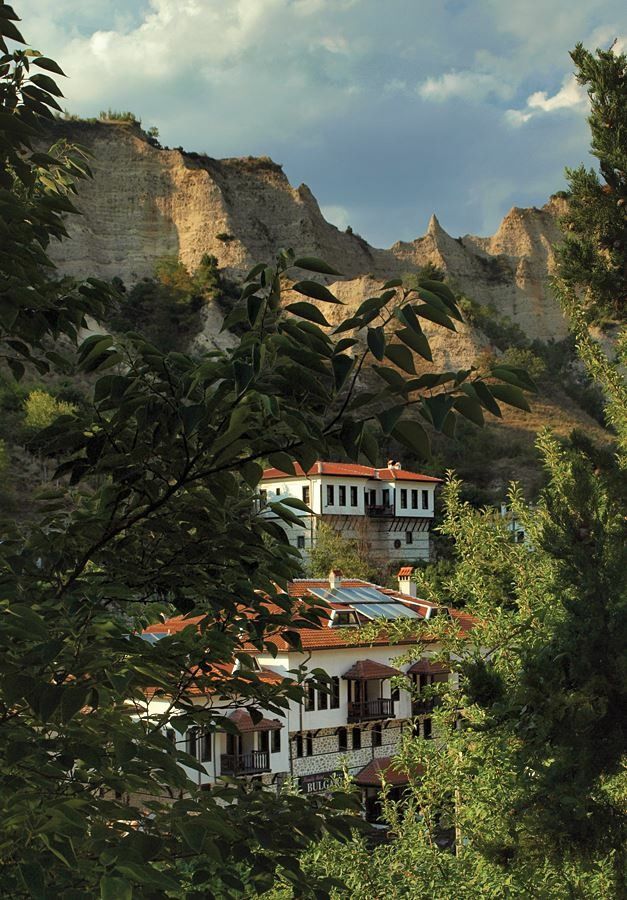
(145, 202)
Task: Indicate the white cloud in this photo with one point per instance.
(571, 96)
(337, 215)
(467, 85)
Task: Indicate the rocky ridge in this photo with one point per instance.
(146, 202)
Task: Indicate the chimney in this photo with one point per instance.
(335, 578)
(390, 463)
(406, 583)
(397, 465)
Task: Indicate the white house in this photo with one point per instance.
(391, 509)
(356, 724)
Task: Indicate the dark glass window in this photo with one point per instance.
(409, 538)
(342, 499)
(306, 495)
(335, 692)
(192, 742)
(171, 735)
(414, 499)
(206, 747)
(263, 495)
(353, 496)
(330, 495)
(377, 735)
(425, 499)
(309, 742)
(323, 700)
(264, 741)
(356, 738)
(396, 693)
(403, 498)
(300, 541)
(342, 739)
(427, 729)
(385, 496)
(310, 697)
(299, 745)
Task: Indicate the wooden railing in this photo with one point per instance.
(381, 708)
(245, 763)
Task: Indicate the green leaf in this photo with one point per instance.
(282, 461)
(49, 64)
(481, 391)
(389, 418)
(511, 395)
(112, 888)
(518, 377)
(376, 342)
(414, 436)
(393, 283)
(434, 315)
(437, 408)
(316, 290)
(342, 365)
(313, 264)
(307, 311)
(284, 513)
(296, 503)
(401, 357)
(469, 408)
(252, 473)
(47, 84)
(418, 342)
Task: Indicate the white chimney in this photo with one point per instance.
(406, 583)
(390, 463)
(335, 578)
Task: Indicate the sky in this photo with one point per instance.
(389, 110)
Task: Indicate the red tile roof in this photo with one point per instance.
(243, 719)
(350, 470)
(384, 769)
(368, 669)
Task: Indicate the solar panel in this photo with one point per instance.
(385, 611)
(366, 600)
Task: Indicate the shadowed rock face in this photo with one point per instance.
(145, 202)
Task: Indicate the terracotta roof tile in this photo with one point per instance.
(243, 719)
(350, 470)
(381, 769)
(368, 669)
(426, 667)
(405, 572)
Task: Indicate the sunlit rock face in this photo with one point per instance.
(145, 202)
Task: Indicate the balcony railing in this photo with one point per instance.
(379, 511)
(381, 708)
(245, 763)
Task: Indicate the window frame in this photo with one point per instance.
(377, 735)
(334, 699)
(354, 495)
(330, 495)
(425, 499)
(341, 500)
(206, 747)
(342, 740)
(356, 738)
(414, 498)
(309, 744)
(306, 494)
(403, 498)
(275, 743)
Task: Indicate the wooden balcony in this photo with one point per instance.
(245, 763)
(366, 710)
(423, 707)
(379, 512)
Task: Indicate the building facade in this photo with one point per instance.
(390, 509)
(355, 724)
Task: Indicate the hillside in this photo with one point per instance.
(147, 202)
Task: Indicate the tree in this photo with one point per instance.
(591, 259)
(533, 740)
(334, 551)
(157, 506)
(42, 409)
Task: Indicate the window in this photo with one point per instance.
(310, 697)
(330, 495)
(309, 744)
(377, 735)
(403, 498)
(206, 747)
(342, 739)
(335, 692)
(306, 495)
(342, 498)
(385, 496)
(264, 741)
(192, 742)
(425, 499)
(299, 745)
(278, 492)
(263, 495)
(356, 738)
(396, 694)
(409, 538)
(353, 496)
(323, 700)
(171, 735)
(276, 740)
(300, 541)
(427, 729)
(414, 499)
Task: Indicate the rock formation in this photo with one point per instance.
(145, 202)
